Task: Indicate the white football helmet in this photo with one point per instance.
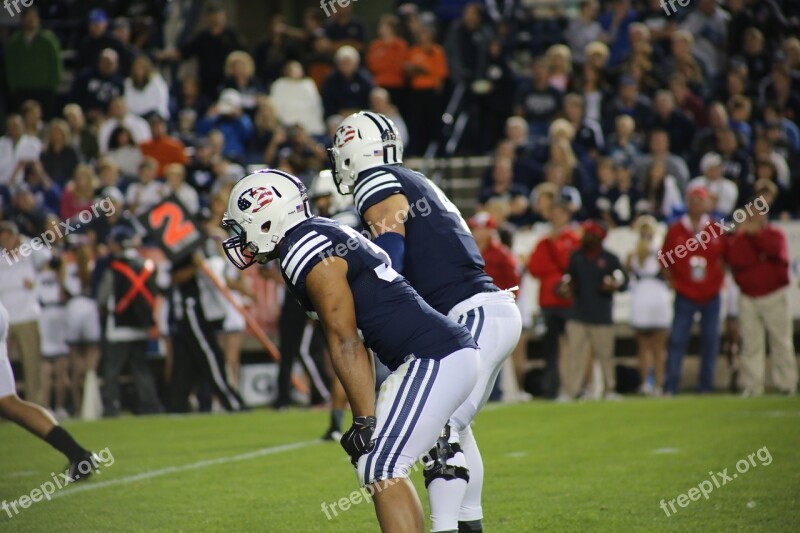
(364, 140)
(323, 185)
(261, 209)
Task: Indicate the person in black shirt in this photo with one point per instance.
(345, 29)
(99, 38)
(211, 46)
(593, 276)
(538, 102)
(95, 88)
(199, 359)
(346, 90)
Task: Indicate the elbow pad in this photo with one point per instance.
(394, 245)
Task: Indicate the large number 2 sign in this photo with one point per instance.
(177, 228)
(172, 228)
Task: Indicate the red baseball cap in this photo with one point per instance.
(698, 190)
(482, 219)
(592, 226)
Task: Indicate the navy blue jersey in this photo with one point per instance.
(442, 261)
(393, 319)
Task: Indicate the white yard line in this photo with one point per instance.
(272, 450)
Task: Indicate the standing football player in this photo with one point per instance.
(431, 245)
(348, 282)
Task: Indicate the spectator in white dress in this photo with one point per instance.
(651, 306)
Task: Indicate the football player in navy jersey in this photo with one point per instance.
(434, 249)
(348, 282)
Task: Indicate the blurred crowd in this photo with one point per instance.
(604, 111)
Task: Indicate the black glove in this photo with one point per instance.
(357, 440)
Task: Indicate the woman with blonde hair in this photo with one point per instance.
(559, 66)
(146, 92)
(651, 305)
(59, 158)
(240, 75)
(79, 192)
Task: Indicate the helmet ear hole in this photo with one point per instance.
(265, 226)
(347, 162)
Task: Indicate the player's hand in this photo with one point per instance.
(357, 440)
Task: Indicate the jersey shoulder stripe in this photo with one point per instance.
(391, 187)
(296, 246)
(373, 180)
(385, 183)
(315, 252)
(293, 264)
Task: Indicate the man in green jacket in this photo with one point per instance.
(33, 59)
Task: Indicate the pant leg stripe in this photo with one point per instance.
(480, 320)
(368, 467)
(405, 407)
(311, 368)
(216, 375)
(431, 379)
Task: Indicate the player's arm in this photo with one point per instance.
(386, 221)
(329, 291)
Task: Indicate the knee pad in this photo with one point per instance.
(438, 463)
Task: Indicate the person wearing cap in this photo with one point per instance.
(759, 259)
(592, 277)
(125, 298)
(164, 148)
(692, 261)
(548, 263)
(98, 38)
(501, 265)
(32, 45)
(346, 89)
(723, 192)
(227, 117)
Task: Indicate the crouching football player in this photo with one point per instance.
(349, 283)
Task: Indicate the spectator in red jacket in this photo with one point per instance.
(759, 259)
(501, 264)
(692, 259)
(548, 263)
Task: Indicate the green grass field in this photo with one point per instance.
(574, 467)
